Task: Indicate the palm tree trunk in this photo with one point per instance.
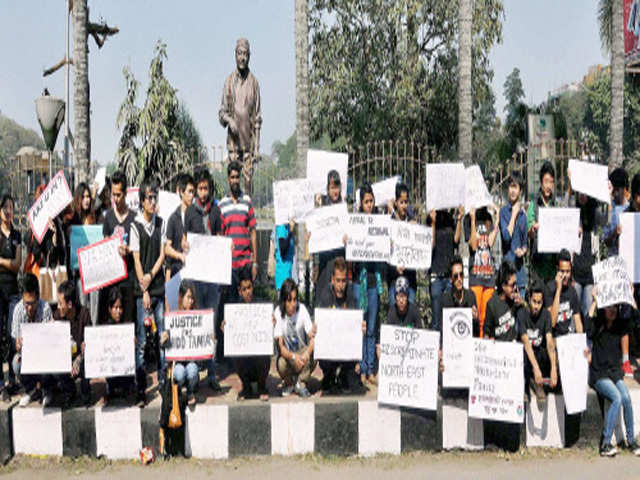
(465, 135)
(617, 85)
(82, 133)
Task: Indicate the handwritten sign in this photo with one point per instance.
(497, 390)
(446, 185)
(327, 227)
(382, 191)
(81, 236)
(629, 238)
(132, 198)
(559, 228)
(248, 329)
(320, 163)
(198, 264)
(457, 347)
(591, 179)
(612, 279)
(101, 179)
(477, 194)
(190, 333)
(410, 245)
(574, 371)
(339, 334)
(46, 348)
(101, 264)
(408, 373)
(168, 202)
(369, 238)
(109, 351)
(50, 203)
(292, 199)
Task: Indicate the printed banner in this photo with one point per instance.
(457, 347)
(411, 245)
(101, 264)
(369, 238)
(248, 329)
(109, 351)
(190, 335)
(50, 203)
(339, 334)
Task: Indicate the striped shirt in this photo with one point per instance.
(238, 219)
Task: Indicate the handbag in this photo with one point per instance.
(175, 419)
(46, 280)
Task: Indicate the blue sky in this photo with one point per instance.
(552, 42)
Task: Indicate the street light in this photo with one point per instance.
(50, 111)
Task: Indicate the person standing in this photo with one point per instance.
(542, 263)
(401, 213)
(513, 231)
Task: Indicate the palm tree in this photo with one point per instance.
(465, 136)
(81, 108)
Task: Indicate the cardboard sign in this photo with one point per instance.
(629, 238)
(477, 194)
(109, 351)
(457, 347)
(133, 198)
(559, 228)
(369, 238)
(411, 245)
(591, 179)
(46, 348)
(101, 264)
(190, 333)
(168, 203)
(497, 390)
(408, 373)
(248, 329)
(446, 185)
(339, 334)
(292, 199)
(327, 227)
(612, 279)
(320, 163)
(81, 236)
(574, 371)
(382, 191)
(48, 205)
(199, 265)
(100, 180)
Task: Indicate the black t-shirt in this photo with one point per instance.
(606, 351)
(500, 322)
(8, 248)
(536, 328)
(481, 263)
(448, 300)
(590, 219)
(569, 305)
(392, 272)
(443, 248)
(195, 218)
(175, 231)
(411, 318)
(327, 299)
(112, 226)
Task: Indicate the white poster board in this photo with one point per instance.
(629, 238)
(408, 374)
(190, 333)
(457, 347)
(46, 348)
(326, 225)
(101, 264)
(559, 228)
(109, 351)
(611, 276)
(383, 191)
(132, 199)
(320, 163)
(339, 334)
(248, 329)
(101, 179)
(574, 371)
(446, 185)
(50, 203)
(292, 199)
(202, 250)
(411, 245)
(477, 194)
(591, 179)
(168, 203)
(497, 390)
(369, 238)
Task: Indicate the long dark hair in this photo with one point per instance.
(187, 286)
(287, 288)
(364, 189)
(83, 217)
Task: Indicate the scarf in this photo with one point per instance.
(204, 210)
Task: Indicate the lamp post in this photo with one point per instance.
(51, 112)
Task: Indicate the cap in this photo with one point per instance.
(402, 285)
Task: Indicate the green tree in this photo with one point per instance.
(515, 125)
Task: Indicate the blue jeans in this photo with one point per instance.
(438, 286)
(186, 373)
(392, 295)
(371, 317)
(618, 394)
(584, 295)
(208, 296)
(157, 309)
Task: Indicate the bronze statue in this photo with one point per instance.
(240, 113)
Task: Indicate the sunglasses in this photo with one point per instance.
(455, 276)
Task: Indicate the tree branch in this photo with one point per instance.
(56, 67)
(96, 29)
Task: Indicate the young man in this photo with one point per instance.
(31, 309)
(542, 263)
(458, 296)
(69, 310)
(402, 312)
(534, 325)
(175, 227)
(513, 231)
(619, 186)
(562, 299)
(401, 213)
(148, 237)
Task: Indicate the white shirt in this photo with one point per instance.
(149, 227)
(293, 330)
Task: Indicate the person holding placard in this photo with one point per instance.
(176, 227)
(31, 309)
(619, 179)
(513, 230)
(148, 237)
(402, 213)
(562, 300)
(403, 313)
(458, 296)
(542, 263)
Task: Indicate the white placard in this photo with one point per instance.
(202, 250)
(497, 390)
(326, 225)
(100, 180)
(339, 334)
(383, 191)
(559, 228)
(574, 370)
(477, 194)
(50, 203)
(612, 279)
(411, 245)
(446, 185)
(168, 203)
(369, 238)
(408, 373)
(591, 179)
(292, 199)
(46, 348)
(630, 224)
(457, 347)
(248, 329)
(133, 199)
(320, 163)
(190, 333)
(109, 351)
(101, 264)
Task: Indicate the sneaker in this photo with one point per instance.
(47, 399)
(626, 368)
(372, 379)
(26, 399)
(287, 390)
(608, 450)
(301, 390)
(634, 448)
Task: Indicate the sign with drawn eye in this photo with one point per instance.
(457, 347)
